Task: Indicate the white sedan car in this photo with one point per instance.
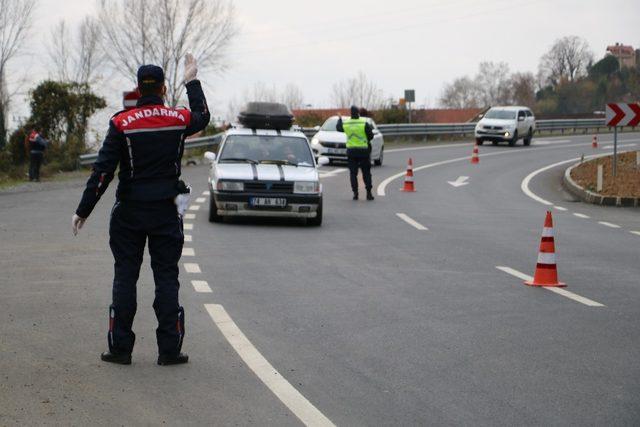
(330, 143)
(261, 172)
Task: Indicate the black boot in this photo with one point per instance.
(179, 359)
(370, 195)
(355, 195)
(118, 358)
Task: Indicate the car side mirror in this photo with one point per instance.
(376, 132)
(209, 156)
(316, 128)
(323, 161)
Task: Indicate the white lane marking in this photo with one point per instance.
(460, 181)
(194, 207)
(637, 233)
(548, 142)
(431, 147)
(201, 286)
(412, 222)
(189, 216)
(331, 173)
(580, 215)
(559, 291)
(279, 386)
(188, 226)
(560, 208)
(188, 252)
(205, 193)
(188, 238)
(608, 224)
(191, 267)
(383, 185)
(200, 200)
(610, 147)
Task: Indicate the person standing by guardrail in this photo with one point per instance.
(359, 135)
(147, 142)
(37, 145)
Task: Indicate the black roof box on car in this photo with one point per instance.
(266, 115)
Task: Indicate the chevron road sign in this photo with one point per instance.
(622, 114)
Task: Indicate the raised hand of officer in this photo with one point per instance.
(76, 224)
(190, 68)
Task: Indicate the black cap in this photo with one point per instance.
(150, 75)
(355, 111)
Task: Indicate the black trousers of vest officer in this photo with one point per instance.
(359, 158)
(132, 224)
(35, 161)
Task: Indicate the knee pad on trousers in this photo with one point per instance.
(180, 327)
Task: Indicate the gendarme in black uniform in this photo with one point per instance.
(147, 143)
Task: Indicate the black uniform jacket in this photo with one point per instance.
(147, 142)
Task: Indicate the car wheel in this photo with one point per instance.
(479, 141)
(528, 138)
(378, 162)
(213, 210)
(317, 221)
(513, 140)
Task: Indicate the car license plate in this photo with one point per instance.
(336, 151)
(268, 202)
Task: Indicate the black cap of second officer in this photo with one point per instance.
(150, 75)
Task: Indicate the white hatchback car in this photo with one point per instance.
(506, 124)
(263, 172)
(332, 144)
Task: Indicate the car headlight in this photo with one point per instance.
(507, 134)
(315, 141)
(230, 186)
(306, 187)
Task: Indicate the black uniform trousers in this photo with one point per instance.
(35, 161)
(359, 158)
(132, 223)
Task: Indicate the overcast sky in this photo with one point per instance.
(418, 44)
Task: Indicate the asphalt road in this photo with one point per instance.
(373, 319)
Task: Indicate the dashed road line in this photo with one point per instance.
(194, 207)
(188, 238)
(608, 224)
(189, 216)
(412, 222)
(187, 226)
(201, 286)
(560, 208)
(559, 291)
(205, 193)
(581, 215)
(188, 252)
(192, 267)
(200, 200)
(279, 386)
(637, 233)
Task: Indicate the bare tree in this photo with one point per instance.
(492, 82)
(292, 96)
(463, 92)
(359, 91)
(162, 32)
(523, 89)
(78, 57)
(15, 21)
(567, 60)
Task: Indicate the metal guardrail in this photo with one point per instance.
(420, 129)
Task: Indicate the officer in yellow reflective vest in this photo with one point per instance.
(359, 135)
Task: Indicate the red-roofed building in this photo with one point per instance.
(626, 55)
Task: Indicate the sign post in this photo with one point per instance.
(409, 97)
(621, 114)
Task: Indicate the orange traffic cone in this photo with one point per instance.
(475, 158)
(546, 270)
(408, 179)
(594, 142)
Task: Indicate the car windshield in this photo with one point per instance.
(331, 123)
(500, 114)
(266, 149)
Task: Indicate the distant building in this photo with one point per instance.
(626, 55)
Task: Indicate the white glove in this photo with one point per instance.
(76, 224)
(182, 202)
(190, 68)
